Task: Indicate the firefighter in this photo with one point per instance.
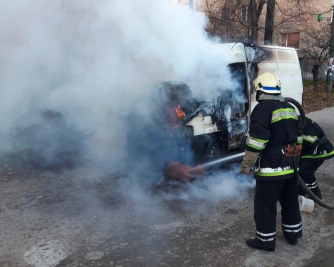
(272, 150)
(316, 149)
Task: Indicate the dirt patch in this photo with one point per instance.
(317, 100)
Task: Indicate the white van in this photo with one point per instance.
(282, 61)
(223, 125)
(193, 132)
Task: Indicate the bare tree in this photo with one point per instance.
(232, 20)
(255, 11)
(270, 19)
(243, 20)
(317, 49)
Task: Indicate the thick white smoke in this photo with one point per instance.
(72, 73)
(215, 187)
(92, 63)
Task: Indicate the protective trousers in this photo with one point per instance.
(267, 193)
(307, 169)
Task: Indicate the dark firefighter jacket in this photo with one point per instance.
(315, 143)
(273, 125)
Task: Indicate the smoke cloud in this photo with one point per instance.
(75, 75)
(215, 187)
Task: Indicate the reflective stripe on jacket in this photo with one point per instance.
(313, 147)
(273, 124)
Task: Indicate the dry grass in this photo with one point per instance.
(313, 101)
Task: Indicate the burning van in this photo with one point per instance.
(193, 132)
(202, 131)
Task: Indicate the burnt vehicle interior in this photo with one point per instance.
(173, 102)
(226, 116)
(235, 106)
(163, 137)
(189, 131)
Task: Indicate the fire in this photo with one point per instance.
(179, 112)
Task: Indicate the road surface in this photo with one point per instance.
(77, 218)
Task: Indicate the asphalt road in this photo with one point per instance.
(77, 218)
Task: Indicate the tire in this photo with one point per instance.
(214, 150)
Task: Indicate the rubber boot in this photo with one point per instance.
(292, 242)
(255, 243)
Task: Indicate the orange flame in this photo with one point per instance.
(179, 112)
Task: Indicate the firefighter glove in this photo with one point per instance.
(248, 161)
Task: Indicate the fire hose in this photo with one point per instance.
(181, 172)
(299, 179)
(312, 195)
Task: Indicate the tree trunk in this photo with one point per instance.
(315, 72)
(254, 22)
(270, 19)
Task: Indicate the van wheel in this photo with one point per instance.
(214, 150)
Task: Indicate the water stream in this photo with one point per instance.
(221, 160)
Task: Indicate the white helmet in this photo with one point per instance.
(268, 83)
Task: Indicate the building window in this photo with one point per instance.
(245, 14)
(290, 39)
